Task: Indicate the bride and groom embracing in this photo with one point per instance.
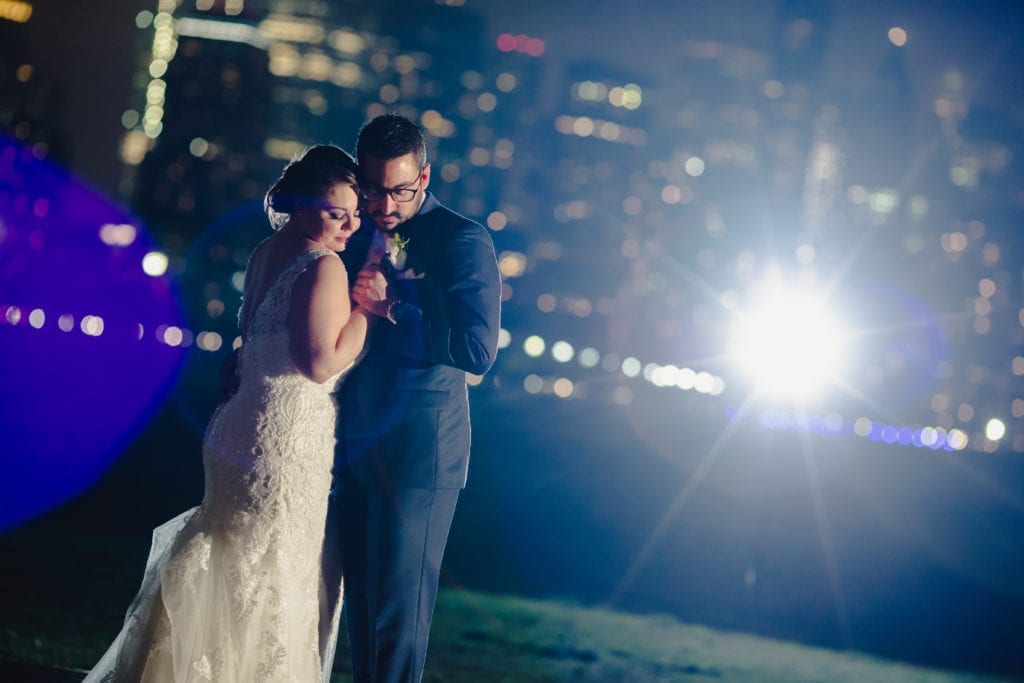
(248, 586)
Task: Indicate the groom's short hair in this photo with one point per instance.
(390, 136)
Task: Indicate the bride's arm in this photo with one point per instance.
(326, 333)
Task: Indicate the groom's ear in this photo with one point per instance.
(425, 176)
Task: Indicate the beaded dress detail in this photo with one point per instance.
(238, 589)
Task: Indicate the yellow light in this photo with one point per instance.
(157, 68)
(198, 147)
(694, 166)
(284, 59)
(172, 336)
(276, 148)
(995, 429)
(504, 338)
(316, 67)
(92, 325)
(404, 64)
(471, 80)
(37, 318)
(450, 173)
(154, 263)
(389, 95)
(897, 36)
(347, 42)
(957, 439)
(209, 341)
(563, 387)
(134, 146)
(347, 74)
(479, 156)
(13, 315)
(506, 82)
(533, 346)
(19, 12)
(486, 102)
(279, 27)
(583, 126)
(512, 263)
(118, 235)
(562, 351)
(772, 89)
(497, 221)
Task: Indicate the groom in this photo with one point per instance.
(403, 448)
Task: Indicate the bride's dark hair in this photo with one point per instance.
(306, 179)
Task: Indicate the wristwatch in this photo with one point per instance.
(391, 309)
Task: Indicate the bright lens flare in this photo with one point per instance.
(788, 343)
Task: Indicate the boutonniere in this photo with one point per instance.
(394, 246)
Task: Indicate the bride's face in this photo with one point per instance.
(334, 219)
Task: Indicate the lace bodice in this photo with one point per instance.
(266, 359)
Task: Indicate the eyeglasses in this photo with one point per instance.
(398, 194)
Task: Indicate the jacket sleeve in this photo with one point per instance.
(463, 333)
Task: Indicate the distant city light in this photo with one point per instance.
(533, 346)
(504, 338)
(154, 263)
(562, 351)
(228, 31)
(120, 235)
(631, 367)
(92, 325)
(520, 43)
(589, 357)
(788, 341)
(13, 10)
(563, 387)
(995, 429)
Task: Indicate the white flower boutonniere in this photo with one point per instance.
(394, 246)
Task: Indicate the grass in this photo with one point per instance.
(63, 599)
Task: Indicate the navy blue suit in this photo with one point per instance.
(404, 438)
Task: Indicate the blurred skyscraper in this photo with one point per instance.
(30, 104)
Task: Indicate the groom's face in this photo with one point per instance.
(393, 189)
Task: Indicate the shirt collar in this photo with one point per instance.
(429, 204)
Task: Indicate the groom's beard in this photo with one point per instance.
(387, 222)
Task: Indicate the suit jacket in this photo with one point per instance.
(403, 410)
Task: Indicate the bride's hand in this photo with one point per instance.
(371, 291)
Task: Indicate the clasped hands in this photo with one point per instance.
(371, 291)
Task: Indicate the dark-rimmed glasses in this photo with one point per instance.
(398, 194)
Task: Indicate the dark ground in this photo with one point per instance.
(923, 565)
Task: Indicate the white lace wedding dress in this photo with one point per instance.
(237, 588)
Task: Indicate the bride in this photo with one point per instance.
(235, 589)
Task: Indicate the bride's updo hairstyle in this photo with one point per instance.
(307, 179)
